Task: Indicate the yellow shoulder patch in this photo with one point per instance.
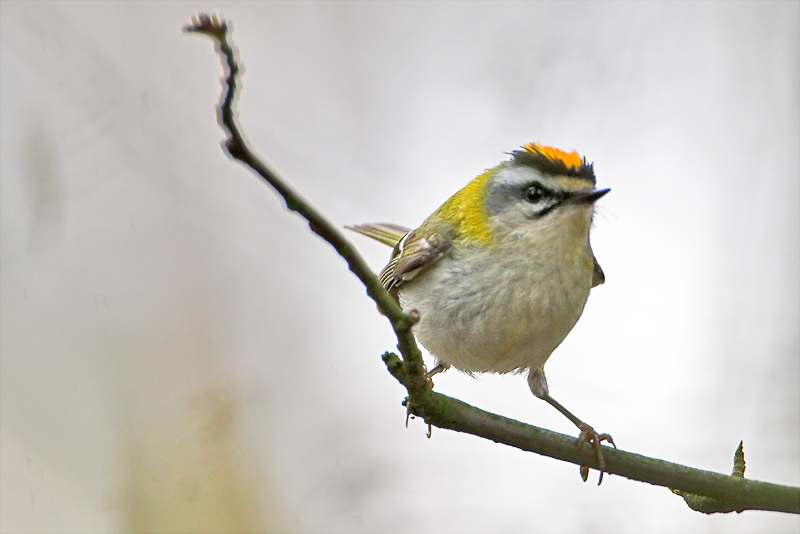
(466, 209)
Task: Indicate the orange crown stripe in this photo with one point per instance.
(572, 159)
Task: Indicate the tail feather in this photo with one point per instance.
(387, 233)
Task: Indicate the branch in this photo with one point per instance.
(703, 490)
(217, 28)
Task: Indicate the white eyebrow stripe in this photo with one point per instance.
(518, 176)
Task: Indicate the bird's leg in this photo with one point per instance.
(538, 384)
(439, 368)
(587, 434)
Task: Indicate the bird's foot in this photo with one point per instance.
(588, 434)
(410, 415)
(439, 368)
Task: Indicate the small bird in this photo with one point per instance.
(500, 273)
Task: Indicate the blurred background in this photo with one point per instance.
(180, 353)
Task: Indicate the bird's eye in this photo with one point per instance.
(535, 194)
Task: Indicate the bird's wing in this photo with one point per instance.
(598, 276)
(412, 256)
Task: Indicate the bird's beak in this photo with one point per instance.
(587, 197)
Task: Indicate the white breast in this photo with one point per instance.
(502, 310)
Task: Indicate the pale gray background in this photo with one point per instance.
(172, 337)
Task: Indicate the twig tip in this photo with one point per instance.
(213, 25)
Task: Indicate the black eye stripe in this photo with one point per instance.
(544, 211)
(537, 194)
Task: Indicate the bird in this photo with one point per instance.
(500, 273)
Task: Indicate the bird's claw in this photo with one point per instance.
(409, 415)
(589, 435)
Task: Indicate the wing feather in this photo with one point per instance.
(412, 254)
(598, 276)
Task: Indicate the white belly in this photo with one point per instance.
(498, 312)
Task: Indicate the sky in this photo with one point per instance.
(180, 353)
